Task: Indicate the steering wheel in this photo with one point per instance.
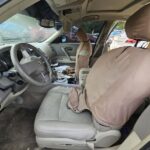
(35, 62)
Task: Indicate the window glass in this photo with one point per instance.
(3, 2)
(92, 28)
(23, 28)
(118, 38)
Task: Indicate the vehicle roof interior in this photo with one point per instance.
(73, 11)
(98, 9)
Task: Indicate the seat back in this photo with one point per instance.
(111, 86)
(111, 92)
(84, 52)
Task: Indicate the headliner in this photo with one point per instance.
(98, 9)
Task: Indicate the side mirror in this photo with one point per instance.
(63, 39)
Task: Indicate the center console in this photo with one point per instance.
(11, 86)
(64, 74)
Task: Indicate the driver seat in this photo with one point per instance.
(57, 126)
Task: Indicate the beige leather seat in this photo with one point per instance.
(57, 126)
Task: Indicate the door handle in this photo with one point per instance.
(68, 48)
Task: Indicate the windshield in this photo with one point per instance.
(23, 28)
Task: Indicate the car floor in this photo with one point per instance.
(16, 129)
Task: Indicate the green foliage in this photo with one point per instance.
(120, 25)
(90, 26)
(94, 26)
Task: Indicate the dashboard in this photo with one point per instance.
(5, 61)
(11, 83)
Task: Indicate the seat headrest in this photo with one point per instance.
(82, 35)
(138, 25)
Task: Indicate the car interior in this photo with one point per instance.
(65, 83)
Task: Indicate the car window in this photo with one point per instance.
(118, 38)
(23, 28)
(92, 28)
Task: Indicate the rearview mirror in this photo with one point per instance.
(46, 23)
(50, 23)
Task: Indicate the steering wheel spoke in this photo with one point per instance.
(25, 54)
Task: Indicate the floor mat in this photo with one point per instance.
(16, 129)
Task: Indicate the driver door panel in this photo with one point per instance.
(65, 52)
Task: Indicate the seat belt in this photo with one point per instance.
(131, 141)
(100, 43)
(144, 144)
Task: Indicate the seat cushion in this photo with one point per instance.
(55, 120)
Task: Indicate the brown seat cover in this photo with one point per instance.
(120, 80)
(84, 52)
